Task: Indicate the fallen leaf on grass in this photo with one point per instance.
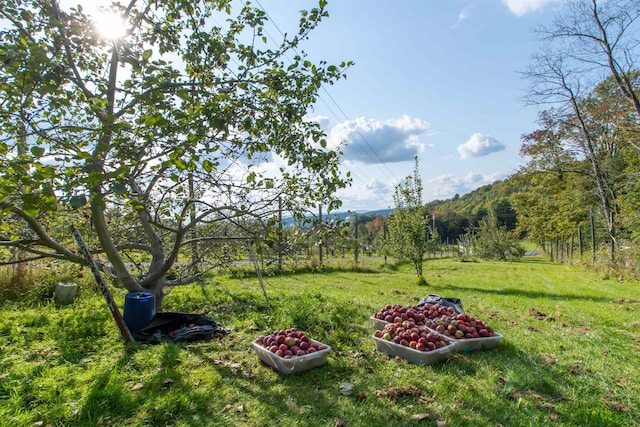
(576, 368)
(420, 417)
(425, 400)
(513, 393)
(226, 407)
(338, 422)
(240, 408)
(549, 358)
(167, 382)
(622, 382)
(537, 314)
(617, 406)
(397, 393)
(546, 405)
(137, 386)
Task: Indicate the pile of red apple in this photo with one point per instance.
(417, 337)
(461, 326)
(399, 313)
(288, 343)
(442, 319)
(434, 311)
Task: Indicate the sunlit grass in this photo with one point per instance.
(567, 356)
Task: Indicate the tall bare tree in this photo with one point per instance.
(600, 38)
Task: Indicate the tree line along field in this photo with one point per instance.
(566, 357)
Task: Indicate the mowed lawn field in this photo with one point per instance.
(568, 354)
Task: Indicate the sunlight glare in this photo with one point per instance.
(110, 25)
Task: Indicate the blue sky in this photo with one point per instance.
(439, 79)
(436, 79)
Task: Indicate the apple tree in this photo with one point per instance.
(408, 226)
(154, 144)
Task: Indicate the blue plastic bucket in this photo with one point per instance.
(139, 309)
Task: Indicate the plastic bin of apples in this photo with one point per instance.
(422, 335)
(429, 333)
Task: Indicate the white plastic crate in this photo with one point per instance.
(471, 344)
(294, 364)
(417, 357)
(378, 323)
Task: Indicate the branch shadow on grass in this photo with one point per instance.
(516, 292)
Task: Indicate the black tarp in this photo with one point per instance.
(456, 303)
(170, 326)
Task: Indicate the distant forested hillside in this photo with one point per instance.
(454, 217)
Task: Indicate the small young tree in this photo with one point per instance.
(408, 226)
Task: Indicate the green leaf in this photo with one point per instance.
(147, 54)
(119, 188)
(30, 205)
(77, 202)
(151, 120)
(180, 164)
(37, 151)
(94, 178)
(207, 166)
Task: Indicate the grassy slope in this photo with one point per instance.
(568, 356)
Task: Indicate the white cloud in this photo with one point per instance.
(522, 7)
(322, 120)
(446, 186)
(479, 145)
(369, 195)
(372, 141)
(378, 187)
(465, 13)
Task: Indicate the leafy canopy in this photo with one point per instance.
(194, 116)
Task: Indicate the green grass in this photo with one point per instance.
(568, 355)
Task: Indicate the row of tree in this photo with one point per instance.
(583, 160)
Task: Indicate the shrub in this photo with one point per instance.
(490, 241)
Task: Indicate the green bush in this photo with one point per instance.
(490, 241)
(33, 284)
